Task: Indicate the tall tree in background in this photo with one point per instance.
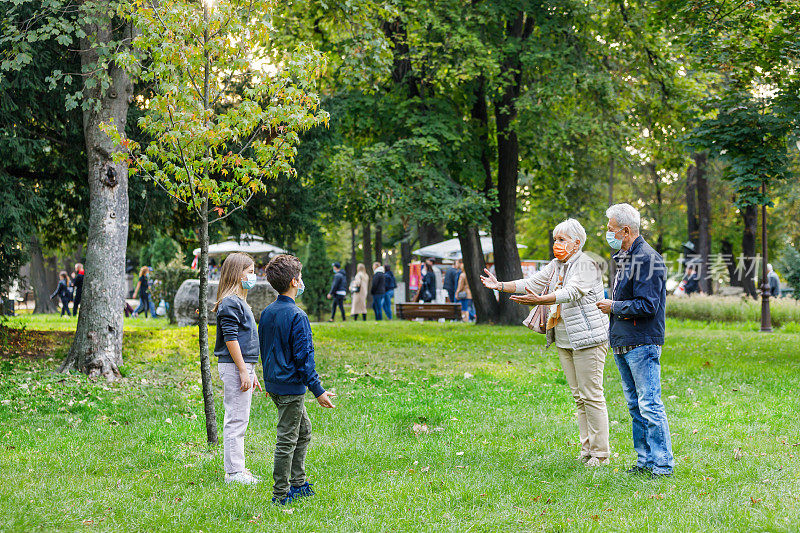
(105, 95)
(213, 146)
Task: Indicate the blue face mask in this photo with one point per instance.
(301, 288)
(612, 240)
(250, 282)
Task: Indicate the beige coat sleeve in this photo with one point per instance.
(581, 280)
(538, 281)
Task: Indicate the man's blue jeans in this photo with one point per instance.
(377, 305)
(387, 303)
(641, 382)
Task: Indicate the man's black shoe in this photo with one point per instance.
(657, 475)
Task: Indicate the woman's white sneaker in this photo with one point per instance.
(596, 461)
(243, 478)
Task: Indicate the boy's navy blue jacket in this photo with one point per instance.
(287, 349)
(639, 297)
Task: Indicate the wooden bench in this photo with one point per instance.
(411, 311)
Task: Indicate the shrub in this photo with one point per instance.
(316, 275)
(731, 309)
(169, 279)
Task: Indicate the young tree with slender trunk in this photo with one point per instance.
(225, 115)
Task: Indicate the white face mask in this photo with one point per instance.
(249, 282)
(301, 288)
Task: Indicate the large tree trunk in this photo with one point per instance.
(703, 222)
(726, 249)
(351, 266)
(691, 205)
(750, 219)
(429, 234)
(97, 348)
(379, 243)
(504, 218)
(366, 248)
(205, 364)
(486, 307)
(41, 289)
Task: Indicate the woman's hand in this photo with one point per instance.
(531, 298)
(490, 281)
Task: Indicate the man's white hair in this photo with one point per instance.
(572, 229)
(625, 215)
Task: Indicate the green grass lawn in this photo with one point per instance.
(492, 452)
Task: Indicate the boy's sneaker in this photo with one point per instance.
(301, 491)
(286, 500)
(596, 461)
(249, 473)
(243, 478)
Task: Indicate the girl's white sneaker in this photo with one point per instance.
(243, 478)
(596, 461)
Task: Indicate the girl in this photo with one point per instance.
(237, 350)
(62, 291)
(143, 290)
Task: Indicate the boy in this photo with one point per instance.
(287, 355)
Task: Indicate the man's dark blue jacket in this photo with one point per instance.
(287, 349)
(339, 283)
(639, 297)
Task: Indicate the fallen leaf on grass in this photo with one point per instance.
(419, 428)
(288, 511)
(658, 496)
(467, 375)
(755, 501)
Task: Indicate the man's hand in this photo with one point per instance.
(604, 305)
(324, 400)
(329, 297)
(257, 384)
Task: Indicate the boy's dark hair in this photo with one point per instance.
(281, 270)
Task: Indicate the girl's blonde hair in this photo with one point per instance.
(361, 268)
(144, 271)
(230, 277)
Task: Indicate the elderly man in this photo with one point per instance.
(636, 335)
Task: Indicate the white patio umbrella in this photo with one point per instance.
(250, 244)
(451, 248)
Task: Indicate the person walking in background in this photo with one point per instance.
(571, 284)
(237, 351)
(464, 294)
(391, 285)
(691, 281)
(338, 291)
(637, 312)
(77, 283)
(451, 276)
(774, 281)
(143, 290)
(427, 289)
(63, 293)
(359, 288)
(378, 290)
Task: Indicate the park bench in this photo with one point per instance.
(412, 311)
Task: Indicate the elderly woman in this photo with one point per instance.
(571, 284)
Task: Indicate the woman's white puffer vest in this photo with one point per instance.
(586, 325)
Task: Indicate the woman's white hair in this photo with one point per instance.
(572, 229)
(625, 215)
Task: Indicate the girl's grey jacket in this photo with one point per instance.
(586, 325)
